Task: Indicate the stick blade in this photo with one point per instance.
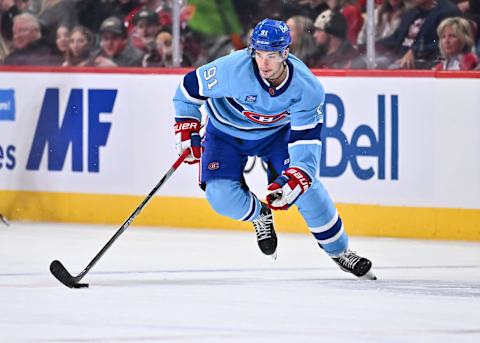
(62, 275)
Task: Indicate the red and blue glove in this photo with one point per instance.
(285, 190)
(187, 134)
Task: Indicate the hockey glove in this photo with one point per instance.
(286, 189)
(187, 133)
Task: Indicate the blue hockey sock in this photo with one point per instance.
(323, 220)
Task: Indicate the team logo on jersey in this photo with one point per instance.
(213, 165)
(264, 118)
(251, 98)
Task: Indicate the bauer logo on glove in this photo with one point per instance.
(285, 190)
(187, 133)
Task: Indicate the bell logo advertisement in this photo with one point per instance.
(374, 142)
(55, 136)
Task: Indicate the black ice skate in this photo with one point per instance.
(266, 237)
(359, 266)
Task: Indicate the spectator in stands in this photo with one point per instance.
(162, 56)
(352, 14)
(303, 44)
(331, 38)
(80, 48)
(191, 44)
(122, 8)
(114, 44)
(387, 19)
(4, 44)
(55, 13)
(216, 26)
(414, 44)
(456, 43)
(9, 9)
(61, 42)
(29, 47)
(471, 10)
(145, 27)
(308, 8)
(91, 13)
(4, 50)
(161, 7)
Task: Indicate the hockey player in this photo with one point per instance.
(264, 102)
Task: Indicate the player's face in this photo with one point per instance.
(270, 63)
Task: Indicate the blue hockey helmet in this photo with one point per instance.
(270, 35)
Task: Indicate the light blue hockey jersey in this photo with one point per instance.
(241, 103)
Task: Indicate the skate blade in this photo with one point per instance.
(274, 255)
(4, 220)
(368, 276)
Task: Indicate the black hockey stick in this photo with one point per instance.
(62, 274)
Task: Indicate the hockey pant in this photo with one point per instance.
(230, 198)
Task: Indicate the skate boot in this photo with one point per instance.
(359, 266)
(266, 237)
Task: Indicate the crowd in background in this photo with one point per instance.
(409, 34)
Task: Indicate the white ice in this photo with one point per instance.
(179, 285)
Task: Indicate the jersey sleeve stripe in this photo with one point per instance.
(304, 127)
(306, 135)
(192, 87)
(303, 142)
(196, 74)
(190, 98)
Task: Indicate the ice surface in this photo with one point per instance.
(174, 285)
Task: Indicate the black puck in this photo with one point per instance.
(80, 285)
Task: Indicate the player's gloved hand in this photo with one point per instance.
(286, 189)
(187, 134)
